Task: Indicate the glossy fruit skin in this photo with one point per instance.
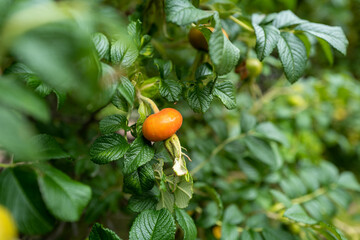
(254, 67)
(197, 39)
(162, 125)
(7, 225)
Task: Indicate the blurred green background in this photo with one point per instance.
(320, 115)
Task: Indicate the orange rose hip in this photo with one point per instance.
(162, 125)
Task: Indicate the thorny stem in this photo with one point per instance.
(216, 151)
(242, 24)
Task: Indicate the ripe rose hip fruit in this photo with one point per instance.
(162, 125)
(198, 40)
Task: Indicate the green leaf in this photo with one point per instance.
(4, 9)
(140, 180)
(328, 173)
(250, 235)
(305, 39)
(233, 215)
(170, 89)
(15, 134)
(257, 18)
(45, 59)
(348, 181)
(113, 123)
(226, 93)
(123, 52)
(199, 98)
(139, 203)
(167, 200)
(108, 148)
(38, 86)
(49, 148)
(164, 67)
(20, 194)
(24, 73)
(286, 19)
(297, 213)
(120, 102)
(270, 131)
(293, 186)
(247, 121)
(213, 195)
(209, 215)
(266, 39)
(56, 54)
(64, 197)
(98, 232)
(203, 71)
(61, 97)
(147, 49)
(275, 234)
(134, 30)
(140, 152)
(280, 197)
(229, 232)
(314, 209)
(261, 150)
(183, 193)
(149, 88)
(154, 225)
(334, 231)
(102, 45)
(16, 96)
(182, 12)
(223, 53)
(109, 75)
(292, 53)
(186, 223)
(327, 50)
(333, 35)
(340, 197)
(309, 178)
(127, 90)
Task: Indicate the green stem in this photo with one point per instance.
(216, 151)
(198, 59)
(308, 197)
(242, 24)
(11, 165)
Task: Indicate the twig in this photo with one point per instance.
(242, 24)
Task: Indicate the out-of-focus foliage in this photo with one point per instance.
(274, 155)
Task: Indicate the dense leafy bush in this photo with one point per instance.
(260, 154)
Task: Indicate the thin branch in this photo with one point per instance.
(242, 24)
